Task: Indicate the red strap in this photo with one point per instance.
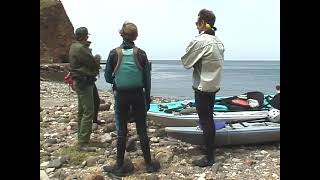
(240, 102)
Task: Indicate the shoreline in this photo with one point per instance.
(58, 159)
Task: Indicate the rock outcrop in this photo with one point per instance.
(56, 32)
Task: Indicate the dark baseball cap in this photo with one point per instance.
(81, 32)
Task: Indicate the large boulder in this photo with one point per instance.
(56, 32)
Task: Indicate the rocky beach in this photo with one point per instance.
(59, 158)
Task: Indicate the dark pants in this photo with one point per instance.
(135, 99)
(204, 105)
(96, 101)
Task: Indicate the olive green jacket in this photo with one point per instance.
(82, 62)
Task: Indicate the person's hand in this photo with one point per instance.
(97, 58)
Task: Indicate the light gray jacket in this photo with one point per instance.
(205, 54)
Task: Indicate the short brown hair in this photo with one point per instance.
(129, 31)
(207, 16)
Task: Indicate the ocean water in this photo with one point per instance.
(171, 79)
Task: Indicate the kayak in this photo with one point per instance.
(177, 119)
(183, 113)
(230, 134)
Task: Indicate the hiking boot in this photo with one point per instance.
(85, 147)
(115, 169)
(154, 166)
(203, 162)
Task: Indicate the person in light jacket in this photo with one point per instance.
(205, 54)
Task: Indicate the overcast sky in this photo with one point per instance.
(249, 29)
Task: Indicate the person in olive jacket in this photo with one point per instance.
(83, 69)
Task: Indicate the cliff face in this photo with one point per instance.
(56, 32)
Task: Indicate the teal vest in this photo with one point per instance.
(128, 71)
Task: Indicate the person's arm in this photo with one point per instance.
(194, 53)
(110, 66)
(87, 59)
(146, 76)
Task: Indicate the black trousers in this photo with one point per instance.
(134, 99)
(96, 101)
(204, 105)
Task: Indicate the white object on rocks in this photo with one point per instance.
(44, 164)
(43, 175)
(155, 139)
(105, 138)
(49, 170)
(58, 113)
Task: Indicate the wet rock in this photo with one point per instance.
(101, 161)
(56, 163)
(60, 174)
(215, 167)
(51, 141)
(155, 139)
(131, 145)
(93, 177)
(64, 159)
(44, 164)
(152, 177)
(160, 133)
(106, 138)
(104, 107)
(71, 177)
(249, 162)
(58, 113)
(220, 159)
(72, 125)
(102, 101)
(63, 120)
(235, 160)
(92, 160)
(109, 127)
(139, 164)
(164, 157)
(110, 120)
(114, 143)
(53, 148)
(45, 158)
(49, 170)
(275, 154)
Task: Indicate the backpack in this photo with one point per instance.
(128, 71)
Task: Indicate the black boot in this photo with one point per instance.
(203, 162)
(208, 159)
(119, 169)
(85, 147)
(151, 166)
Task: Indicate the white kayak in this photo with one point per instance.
(234, 134)
(176, 119)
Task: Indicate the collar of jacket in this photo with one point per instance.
(127, 44)
(86, 43)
